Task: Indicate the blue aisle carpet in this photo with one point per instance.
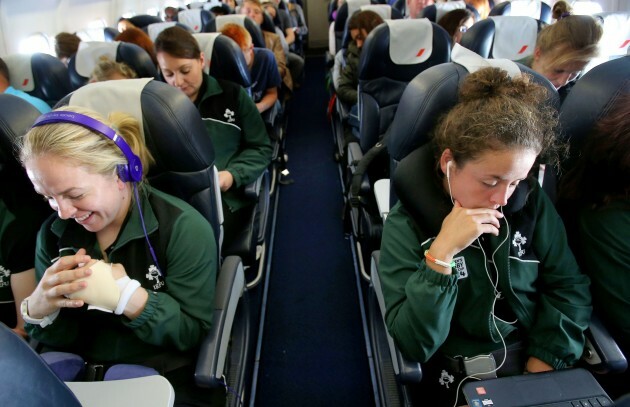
(313, 349)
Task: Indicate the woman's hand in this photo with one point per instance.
(225, 180)
(535, 365)
(461, 227)
(58, 281)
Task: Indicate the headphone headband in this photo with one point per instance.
(132, 171)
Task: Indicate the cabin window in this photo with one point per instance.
(38, 42)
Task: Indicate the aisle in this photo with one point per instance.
(313, 350)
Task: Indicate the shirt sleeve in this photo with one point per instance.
(255, 153)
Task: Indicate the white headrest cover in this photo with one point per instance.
(514, 37)
(616, 37)
(529, 8)
(20, 71)
(354, 5)
(230, 19)
(194, 5)
(89, 54)
(156, 28)
(112, 96)
(206, 44)
(410, 40)
(383, 10)
(192, 18)
(474, 62)
(443, 8)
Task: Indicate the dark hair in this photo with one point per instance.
(177, 42)
(454, 18)
(497, 112)
(560, 10)
(136, 36)
(364, 20)
(4, 70)
(602, 172)
(66, 44)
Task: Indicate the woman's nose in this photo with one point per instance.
(500, 197)
(64, 210)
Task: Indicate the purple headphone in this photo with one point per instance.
(132, 171)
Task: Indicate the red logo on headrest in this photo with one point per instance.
(196, 27)
(626, 42)
(25, 82)
(523, 48)
(420, 52)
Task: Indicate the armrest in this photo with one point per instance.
(355, 154)
(213, 351)
(381, 192)
(253, 189)
(146, 391)
(601, 352)
(407, 371)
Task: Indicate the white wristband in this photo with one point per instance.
(125, 296)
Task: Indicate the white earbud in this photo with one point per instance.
(448, 180)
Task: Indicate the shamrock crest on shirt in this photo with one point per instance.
(229, 115)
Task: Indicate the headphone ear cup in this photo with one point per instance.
(134, 168)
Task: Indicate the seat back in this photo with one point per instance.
(589, 100)
(40, 75)
(82, 64)
(510, 37)
(174, 133)
(198, 19)
(250, 25)
(25, 379)
(531, 8)
(436, 11)
(343, 15)
(225, 58)
(388, 63)
(143, 20)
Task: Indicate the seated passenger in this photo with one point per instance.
(563, 49)
(17, 275)
(5, 87)
(107, 70)
(560, 10)
(482, 7)
(415, 7)
(281, 20)
(66, 45)
(597, 190)
(360, 25)
(159, 304)
(124, 23)
(456, 23)
(242, 146)
(136, 36)
(170, 13)
(482, 265)
(253, 9)
(262, 67)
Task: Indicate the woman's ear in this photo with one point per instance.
(445, 158)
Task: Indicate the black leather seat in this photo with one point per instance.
(40, 75)
(82, 64)
(523, 8)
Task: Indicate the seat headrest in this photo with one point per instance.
(225, 58)
(615, 40)
(250, 25)
(383, 10)
(143, 20)
(474, 62)
(345, 11)
(174, 133)
(436, 11)
(530, 8)
(154, 29)
(82, 64)
(427, 97)
(509, 37)
(589, 100)
(40, 75)
(199, 20)
(514, 37)
(378, 59)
